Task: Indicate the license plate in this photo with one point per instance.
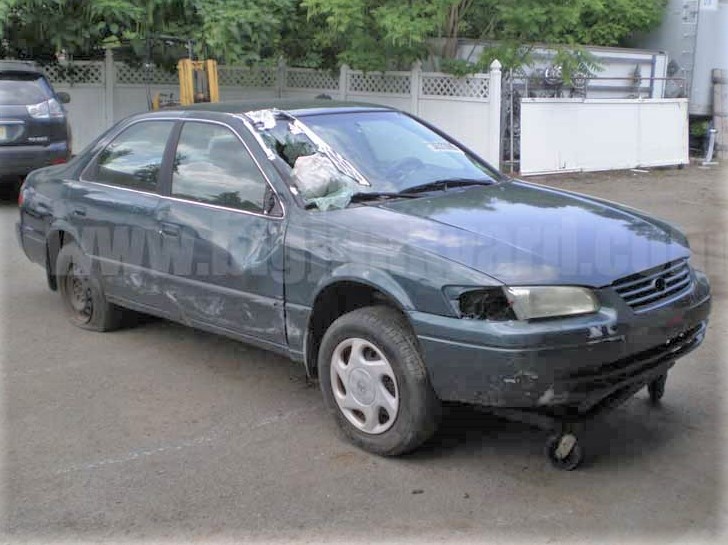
(3, 132)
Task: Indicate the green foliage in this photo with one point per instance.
(367, 34)
(585, 22)
(242, 30)
(563, 24)
(698, 129)
(378, 34)
(229, 30)
(610, 22)
(459, 67)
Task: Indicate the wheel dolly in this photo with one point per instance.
(563, 448)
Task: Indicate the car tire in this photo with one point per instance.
(369, 363)
(82, 294)
(9, 188)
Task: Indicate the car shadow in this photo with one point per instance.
(629, 435)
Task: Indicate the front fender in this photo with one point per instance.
(298, 317)
(370, 276)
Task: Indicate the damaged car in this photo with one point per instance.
(401, 269)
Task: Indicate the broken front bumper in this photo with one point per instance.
(577, 362)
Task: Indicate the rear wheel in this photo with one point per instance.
(375, 383)
(82, 293)
(9, 188)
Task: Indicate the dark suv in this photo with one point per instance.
(34, 130)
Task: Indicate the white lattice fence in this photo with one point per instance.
(390, 83)
(445, 85)
(77, 73)
(305, 78)
(141, 75)
(241, 76)
(469, 108)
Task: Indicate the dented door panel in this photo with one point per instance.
(224, 268)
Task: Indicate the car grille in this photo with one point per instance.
(648, 289)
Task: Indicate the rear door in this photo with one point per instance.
(230, 226)
(114, 207)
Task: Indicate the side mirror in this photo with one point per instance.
(64, 97)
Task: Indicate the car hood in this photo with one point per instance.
(520, 233)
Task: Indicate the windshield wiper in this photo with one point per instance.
(375, 195)
(366, 196)
(445, 184)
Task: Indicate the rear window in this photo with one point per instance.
(17, 88)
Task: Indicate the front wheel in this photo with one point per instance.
(375, 383)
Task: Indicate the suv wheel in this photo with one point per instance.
(374, 381)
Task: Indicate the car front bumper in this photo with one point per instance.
(20, 160)
(573, 362)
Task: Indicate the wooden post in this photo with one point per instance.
(720, 112)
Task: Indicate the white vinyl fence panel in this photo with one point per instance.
(567, 135)
(104, 92)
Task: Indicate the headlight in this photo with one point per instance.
(484, 304)
(531, 302)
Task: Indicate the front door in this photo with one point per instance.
(228, 228)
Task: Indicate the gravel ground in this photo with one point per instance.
(163, 434)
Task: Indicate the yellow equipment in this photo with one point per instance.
(202, 73)
(197, 83)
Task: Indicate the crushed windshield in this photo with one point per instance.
(394, 152)
(333, 157)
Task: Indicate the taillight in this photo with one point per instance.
(59, 161)
(46, 109)
(21, 197)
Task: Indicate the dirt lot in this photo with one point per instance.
(161, 433)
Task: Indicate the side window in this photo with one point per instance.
(134, 157)
(212, 166)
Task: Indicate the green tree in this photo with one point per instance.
(367, 34)
(375, 34)
(514, 26)
(379, 34)
(229, 30)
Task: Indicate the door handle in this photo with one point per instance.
(169, 230)
(80, 212)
